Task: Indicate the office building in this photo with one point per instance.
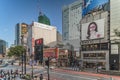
(39, 30)
(100, 49)
(3, 47)
(71, 15)
(20, 30)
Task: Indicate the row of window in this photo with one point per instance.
(97, 46)
(94, 55)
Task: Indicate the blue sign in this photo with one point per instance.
(89, 5)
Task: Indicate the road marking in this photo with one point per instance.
(76, 76)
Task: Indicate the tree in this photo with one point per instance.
(16, 51)
(117, 32)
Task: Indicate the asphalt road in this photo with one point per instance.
(54, 75)
(60, 75)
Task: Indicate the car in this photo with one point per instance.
(51, 67)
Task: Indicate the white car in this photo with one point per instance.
(51, 67)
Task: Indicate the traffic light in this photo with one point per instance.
(39, 50)
(46, 62)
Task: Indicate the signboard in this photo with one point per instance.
(39, 41)
(114, 48)
(93, 30)
(89, 5)
(24, 28)
(50, 52)
(39, 49)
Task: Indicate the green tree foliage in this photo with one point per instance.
(117, 32)
(16, 51)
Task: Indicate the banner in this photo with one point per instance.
(93, 30)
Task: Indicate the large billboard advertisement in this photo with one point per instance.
(89, 5)
(93, 30)
(24, 28)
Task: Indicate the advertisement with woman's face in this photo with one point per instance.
(93, 30)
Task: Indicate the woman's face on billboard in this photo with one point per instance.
(92, 27)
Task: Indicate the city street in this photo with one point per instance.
(61, 74)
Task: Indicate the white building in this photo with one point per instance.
(71, 15)
(39, 30)
(114, 18)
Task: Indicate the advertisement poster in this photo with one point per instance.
(89, 5)
(93, 30)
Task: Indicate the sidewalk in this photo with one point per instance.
(89, 73)
(111, 72)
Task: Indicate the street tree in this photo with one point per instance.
(16, 51)
(117, 32)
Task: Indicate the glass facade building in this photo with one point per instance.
(20, 29)
(3, 46)
(71, 15)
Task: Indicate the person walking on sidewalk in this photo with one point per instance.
(41, 76)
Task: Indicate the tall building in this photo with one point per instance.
(114, 18)
(42, 18)
(3, 47)
(20, 30)
(101, 48)
(71, 15)
(39, 30)
(59, 37)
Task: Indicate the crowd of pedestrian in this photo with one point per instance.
(9, 74)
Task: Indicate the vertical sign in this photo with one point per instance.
(39, 50)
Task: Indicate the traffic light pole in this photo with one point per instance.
(48, 69)
(22, 54)
(22, 64)
(25, 62)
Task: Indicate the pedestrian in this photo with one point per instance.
(41, 76)
(11, 71)
(16, 72)
(20, 73)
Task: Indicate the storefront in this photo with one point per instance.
(63, 58)
(52, 53)
(95, 55)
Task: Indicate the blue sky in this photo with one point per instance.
(18, 11)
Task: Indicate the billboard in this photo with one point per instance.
(89, 5)
(24, 28)
(93, 30)
(114, 49)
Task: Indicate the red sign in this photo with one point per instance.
(39, 41)
(33, 42)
